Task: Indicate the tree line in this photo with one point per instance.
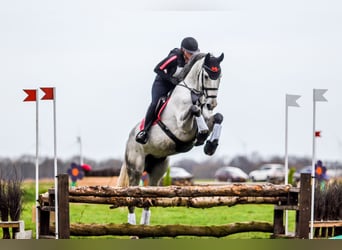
(26, 164)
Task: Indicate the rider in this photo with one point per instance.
(166, 80)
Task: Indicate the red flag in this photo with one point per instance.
(317, 133)
(31, 95)
(49, 93)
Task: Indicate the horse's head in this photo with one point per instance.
(210, 79)
(202, 76)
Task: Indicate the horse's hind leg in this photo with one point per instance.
(155, 175)
(145, 216)
(131, 215)
(158, 169)
(134, 168)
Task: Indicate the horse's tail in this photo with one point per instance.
(123, 180)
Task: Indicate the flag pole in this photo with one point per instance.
(317, 97)
(32, 97)
(286, 160)
(55, 162)
(37, 167)
(79, 140)
(290, 100)
(50, 95)
(313, 165)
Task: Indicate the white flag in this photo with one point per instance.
(291, 100)
(318, 95)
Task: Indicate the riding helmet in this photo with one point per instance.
(190, 45)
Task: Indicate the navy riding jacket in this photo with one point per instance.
(169, 68)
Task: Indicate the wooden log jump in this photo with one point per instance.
(194, 202)
(169, 230)
(201, 196)
(259, 190)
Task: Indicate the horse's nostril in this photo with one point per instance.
(209, 106)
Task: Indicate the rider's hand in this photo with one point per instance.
(174, 80)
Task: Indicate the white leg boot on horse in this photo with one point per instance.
(145, 216)
(202, 125)
(131, 218)
(203, 130)
(211, 144)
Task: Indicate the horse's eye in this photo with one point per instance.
(206, 77)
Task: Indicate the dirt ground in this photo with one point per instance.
(86, 181)
(97, 181)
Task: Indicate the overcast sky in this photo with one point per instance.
(100, 57)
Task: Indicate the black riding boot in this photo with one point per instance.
(142, 135)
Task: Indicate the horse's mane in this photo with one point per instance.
(189, 65)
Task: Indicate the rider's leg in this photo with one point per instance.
(159, 88)
(142, 136)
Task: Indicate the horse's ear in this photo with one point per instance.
(220, 57)
(207, 58)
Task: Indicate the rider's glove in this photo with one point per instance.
(174, 80)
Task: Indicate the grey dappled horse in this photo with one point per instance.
(186, 120)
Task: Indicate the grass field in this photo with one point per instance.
(89, 213)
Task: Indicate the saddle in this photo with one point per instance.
(161, 105)
(181, 146)
(162, 102)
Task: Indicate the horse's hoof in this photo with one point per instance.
(134, 237)
(210, 147)
(201, 137)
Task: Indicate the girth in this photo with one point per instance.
(181, 146)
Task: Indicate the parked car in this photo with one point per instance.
(179, 176)
(270, 172)
(230, 174)
(305, 170)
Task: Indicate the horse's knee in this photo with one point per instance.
(218, 118)
(195, 110)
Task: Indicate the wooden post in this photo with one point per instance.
(63, 207)
(44, 211)
(278, 222)
(44, 222)
(304, 214)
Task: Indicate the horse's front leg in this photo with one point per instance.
(201, 124)
(211, 144)
(134, 168)
(202, 127)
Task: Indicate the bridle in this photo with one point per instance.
(197, 94)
